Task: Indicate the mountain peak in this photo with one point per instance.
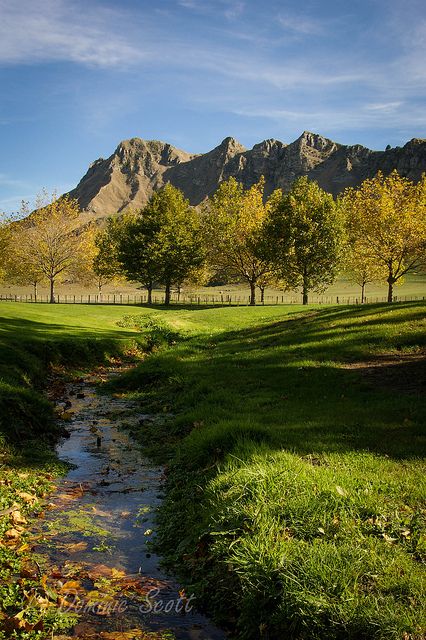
(232, 145)
(140, 167)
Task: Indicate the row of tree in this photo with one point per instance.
(300, 239)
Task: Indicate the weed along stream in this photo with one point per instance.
(96, 535)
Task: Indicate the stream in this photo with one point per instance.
(96, 534)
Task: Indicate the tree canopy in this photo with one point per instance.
(233, 225)
(386, 219)
(162, 243)
(304, 236)
(49, 243)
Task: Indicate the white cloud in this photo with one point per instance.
(45, 30)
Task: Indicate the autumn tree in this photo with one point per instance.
(49, 242)
(305, 232)
(163, 243)
(5, 244)
(387, 216)
(359, 268)
(234, 232)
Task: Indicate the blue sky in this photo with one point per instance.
(77, 77)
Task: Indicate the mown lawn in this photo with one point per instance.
(296, 481)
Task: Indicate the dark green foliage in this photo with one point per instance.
(304, 237)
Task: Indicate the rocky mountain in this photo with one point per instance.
(138, 167)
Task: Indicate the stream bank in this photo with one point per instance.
(95, 538)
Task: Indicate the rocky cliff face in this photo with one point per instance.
(138, 167)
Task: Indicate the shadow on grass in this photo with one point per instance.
(286, 384)
(27, 351)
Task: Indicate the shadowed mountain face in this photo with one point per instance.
(138, 167)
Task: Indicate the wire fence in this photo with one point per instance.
(198, 299)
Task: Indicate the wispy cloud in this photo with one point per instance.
(388, 107)
(340, 118)
(300, 24)
(230, 9)
(44, 30)
(8, 181)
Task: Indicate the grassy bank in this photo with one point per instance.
(34, 341)
(295, 497)
(33, 338)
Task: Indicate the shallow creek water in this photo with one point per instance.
(97, 532)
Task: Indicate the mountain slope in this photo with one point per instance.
(138, 167)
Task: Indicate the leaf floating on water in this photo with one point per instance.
(99, 512)
(99, 571)
(75, 547)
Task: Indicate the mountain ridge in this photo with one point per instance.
(137, 168)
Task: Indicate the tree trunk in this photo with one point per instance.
(262, 295)
(363, 293)
(391, 282)
(167, 293)
(35, 290)
(252, 293)
(149, 290)
(52, 290)
(179, 289)
(305, 288)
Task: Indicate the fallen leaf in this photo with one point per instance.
(12, 534)
(71, 585)
(29, 498)
(18, 518)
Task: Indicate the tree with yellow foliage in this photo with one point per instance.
(48, 242)
(387, 217)
(360, 269)
(5, 240)
(233, 225)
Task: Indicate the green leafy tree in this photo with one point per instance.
(305, 234)
(234, 224)
(163, 243)
(105, 264)
(138, 250)
(386, 216)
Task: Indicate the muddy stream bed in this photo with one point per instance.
(96, 535)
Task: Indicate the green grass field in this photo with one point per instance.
(294, 441)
